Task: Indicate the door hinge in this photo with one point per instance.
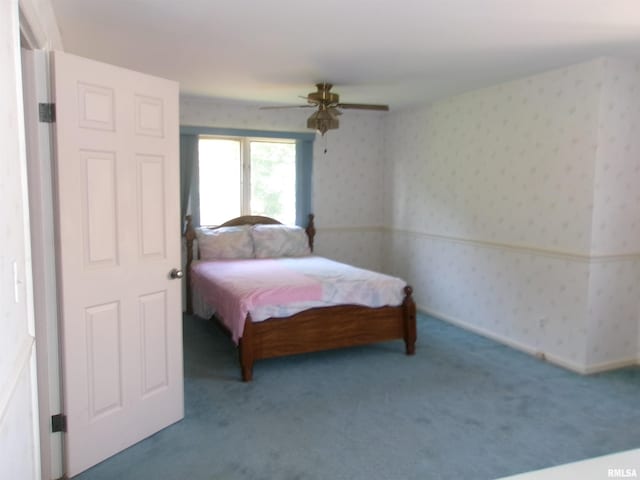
(58, 423)
(47, 112)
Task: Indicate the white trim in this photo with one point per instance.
(35, 427)
(583, 257)
(533, 351)
(611, 365)
(38, 24)
(351, 229)
(39, 166)
(524, 249)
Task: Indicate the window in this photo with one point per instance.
(246, 176)
(226, 172)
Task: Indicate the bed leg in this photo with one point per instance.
(247, 372)
(246, 351)
(246, 360)
(409, 312)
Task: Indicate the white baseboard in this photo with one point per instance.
(612, 365)
(533, 351)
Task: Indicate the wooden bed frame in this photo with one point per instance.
(315, 329)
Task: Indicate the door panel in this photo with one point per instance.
(118, 216)
(153, 318)
(151, 206)
(100, 214)
(104, 362)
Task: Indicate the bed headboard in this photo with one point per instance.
(190, 236)
(190, 232)
(249, 220)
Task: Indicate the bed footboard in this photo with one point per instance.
(327, 328)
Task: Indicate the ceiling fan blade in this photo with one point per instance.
(277, 107)
(363, 106)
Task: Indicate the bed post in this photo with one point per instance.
(409, 314)
(311, 230)
(189, 235)
(245, 348)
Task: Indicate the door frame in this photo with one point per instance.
(39, 31)
(36, 82)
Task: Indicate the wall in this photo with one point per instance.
(494, 203)
(615, 271)
(347, 180)
(500, 206)
(19, 453)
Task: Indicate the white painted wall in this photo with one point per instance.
(494, 202)
(347, 182)
(19, 451)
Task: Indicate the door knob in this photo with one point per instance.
(176, 273)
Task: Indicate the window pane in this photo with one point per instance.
(220, 180)
(273, 180)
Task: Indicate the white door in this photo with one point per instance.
(119, 238)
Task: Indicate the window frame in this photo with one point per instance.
(304, 165)
(246, 165)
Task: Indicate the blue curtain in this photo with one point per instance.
(304, 185)
(189, 167)
(189, 201)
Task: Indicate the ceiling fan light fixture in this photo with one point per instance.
(323, 95)
(329, 108)
(323, 120)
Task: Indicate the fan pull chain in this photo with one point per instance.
(325, 144)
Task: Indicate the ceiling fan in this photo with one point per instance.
(328, 108)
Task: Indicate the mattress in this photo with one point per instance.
(281, 287)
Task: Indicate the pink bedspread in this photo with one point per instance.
(236, 287)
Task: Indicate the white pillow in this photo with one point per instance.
(225, 243)
(272, 241)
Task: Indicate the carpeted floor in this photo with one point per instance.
(464, 407)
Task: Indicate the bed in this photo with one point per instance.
(291, 318)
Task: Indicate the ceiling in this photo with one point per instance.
(398, 52)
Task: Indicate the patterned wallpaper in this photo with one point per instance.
(513, 210)
(616, 217)
(498, 198)
(498, 291)
(512, 163)
(347, 179)
(613, 311)
(614, 300)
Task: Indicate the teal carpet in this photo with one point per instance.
(464, 407)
